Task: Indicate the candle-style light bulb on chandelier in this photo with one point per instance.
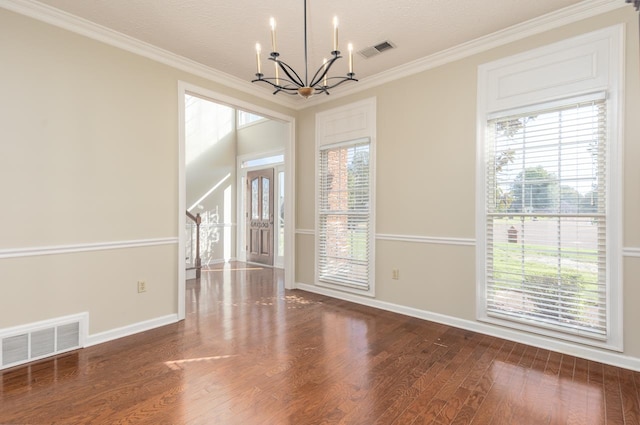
(291, 82)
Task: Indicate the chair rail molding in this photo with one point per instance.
(426, 239)
(84, 247)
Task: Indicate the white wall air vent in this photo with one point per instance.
(368, 52)
(36, 341)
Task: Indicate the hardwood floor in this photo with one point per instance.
(250, 352)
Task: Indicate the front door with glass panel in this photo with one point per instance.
(260, 216)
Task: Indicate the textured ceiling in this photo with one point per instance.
(221, 34)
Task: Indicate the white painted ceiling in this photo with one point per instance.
(221, 34)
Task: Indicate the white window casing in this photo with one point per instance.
(344, 215)
(549, 190)
(345, 198)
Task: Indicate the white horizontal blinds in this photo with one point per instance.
(546, 218)
(344, 215)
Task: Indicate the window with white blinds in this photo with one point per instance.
(546, 218)
(344, 214)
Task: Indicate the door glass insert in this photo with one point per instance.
(254, 200)
(281, 214)
(265, 199)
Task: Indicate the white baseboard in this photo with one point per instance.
(217, 261)
(128, 330)
(611, 358)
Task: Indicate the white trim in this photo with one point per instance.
(585, 64)
(566, 16)
(182, 203)
(75, 24)
(499, 89)
(290, 209)
(611, 358)
(615, 180)
(81, 318)
(230, 101)
(83, 247)
(278, 260)
(587, 97)
(241, 175)
(243, 126)
(217, 261)
(252, 123)
(241, 254)
(289, 161)
(626, 251)
(29, 328)
(426, 239)
(346, 125)
(259, 155)
(562, 17)
(631, 252)
(132, 329)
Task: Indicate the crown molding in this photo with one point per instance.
(64, 20)
(568, 15)
(75, 24)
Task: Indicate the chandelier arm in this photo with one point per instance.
(322, 89)
(269, 80)
(343, 80)
(323, 70)
(285, 89)
(295, 78)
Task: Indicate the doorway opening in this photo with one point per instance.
(221, 140)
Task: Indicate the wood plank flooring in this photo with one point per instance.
(250, 352)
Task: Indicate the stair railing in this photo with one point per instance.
(197, 220)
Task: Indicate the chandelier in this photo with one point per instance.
(291, 82)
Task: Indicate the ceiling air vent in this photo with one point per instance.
(368, 52)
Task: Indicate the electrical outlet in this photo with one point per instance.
(395, 274)
(142, 286)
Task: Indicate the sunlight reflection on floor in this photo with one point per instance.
(177, 364)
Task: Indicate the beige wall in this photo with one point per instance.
(202, 174)
(263, 136)
(102, 283)
(211, 167)
(88, 154)
(425, 171)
